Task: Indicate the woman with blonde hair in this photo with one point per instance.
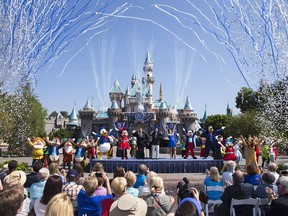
(213, 179)
(131, 179)
(59, 205)
(157, 202)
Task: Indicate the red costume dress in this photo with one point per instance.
(229, 154)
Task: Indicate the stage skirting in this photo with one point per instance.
(161, 165)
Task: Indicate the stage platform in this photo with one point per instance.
(161, 165)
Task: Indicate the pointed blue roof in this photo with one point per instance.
(163, 105)
(102, 114)
(188, 105)
(116, 88)
(73, 119)
(148, 59)
(114, 105)
(127, 91)
(134, 77)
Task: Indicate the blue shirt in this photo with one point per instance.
(90, 205)
(213, 195)
(36, 190)
(140, 181)
(133, 191)
(252, 179)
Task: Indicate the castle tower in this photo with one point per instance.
(148, 75)
(133, 81)
(229, 111)
(87, 114)
(73, 120)
(187, 116)
(160, 93)
(116, 94)
(115, 114)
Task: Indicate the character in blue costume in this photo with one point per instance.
(211, 142)
(172, 142)
(104, 142)
(80, 153)
(53, 150)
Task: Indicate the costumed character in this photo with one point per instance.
(265, 151)
(211, 142)
(237, 150)
(133, 150)
(53, 150)
(183, 144)
(124, 143)
(37, 146)
(190, 143)
(67, 146)
(92, 152)
(251, 153)
(273, 151)
(81, 148)
(229, 152)
(202, 150)
(172, 142)
(46, 155)
(142, 140)
(104, 143)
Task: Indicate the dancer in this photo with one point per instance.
(229, 153)
(53, 150)
(142, 140)
(156, 137)
(183, 144)
(104, 143)
(92, 152)
(37, 146)
(80, 153)
(202, 150)
(171, 143)
(133, 142)
(251, 153)
(67, 146)
(124, 143)
(237, 150)
(211, 142)
(190, 143)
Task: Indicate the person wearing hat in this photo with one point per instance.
(36, 189)
(72, 188)
(17, 179)
(37, 146)
(128, 205)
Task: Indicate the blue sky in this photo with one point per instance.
(120, 51)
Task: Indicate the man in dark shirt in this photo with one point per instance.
(33, 177)
(239, 190)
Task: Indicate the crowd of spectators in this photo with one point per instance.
(47, 191)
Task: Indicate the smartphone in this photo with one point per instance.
(98, 174)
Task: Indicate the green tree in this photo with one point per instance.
(247, 100)
(61, 133)
(218, 121)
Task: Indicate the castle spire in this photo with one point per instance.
(188, 105)
(160, 92)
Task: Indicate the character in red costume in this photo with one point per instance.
(124, 143)
(67, 145)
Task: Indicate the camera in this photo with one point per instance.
(183, 190)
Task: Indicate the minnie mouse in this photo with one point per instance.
(124, 142)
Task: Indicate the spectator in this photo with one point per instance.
(279, 206)
(36, 189)
(18, 179)
(52, 187)
(284, 172)
(213, 179)
(272, 168)
(141, 176)
(88, 203)
(60, 204)
(98, 167)
(252, 175)
(128, 205)
(157, 202)
(72, 188)
(33, 177)
(12, 166)
(54, 170)
(145, 189)
(79, 168)
(189, 206)
(100, 190)
(11, 200)
(131, 179)
(119, 189)
(239, 190)
(227, 179)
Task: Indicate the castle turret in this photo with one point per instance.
(133, 81)
(229, 111)
(148, 74)
(116, 94)
(73, 120)
(188, 116)
(87, 114)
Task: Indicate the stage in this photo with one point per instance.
(161, 165)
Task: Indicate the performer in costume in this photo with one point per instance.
(37, 146)
(53, 150)
(190, 143)
(92, 152)
(183, 144)
(202, 150)
(133, 151)
(67, 146)
(80, 153)
(211, 142)
(124, 143)
(237, 150)
(104, 143)
(172, 142)
(251, 153)
(229, 152)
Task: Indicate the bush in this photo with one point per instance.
(21, 166)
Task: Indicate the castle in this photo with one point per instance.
(134, 108)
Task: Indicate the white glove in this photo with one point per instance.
(223, 127)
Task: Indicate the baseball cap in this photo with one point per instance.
(128, 205)
(72, 174)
